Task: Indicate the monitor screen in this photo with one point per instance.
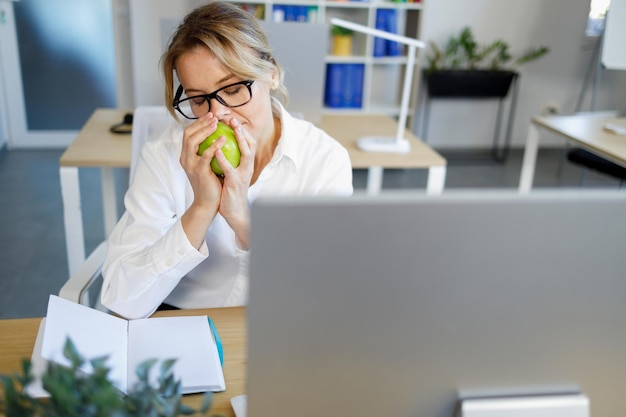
(402, 304)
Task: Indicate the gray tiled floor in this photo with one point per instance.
(32, 243)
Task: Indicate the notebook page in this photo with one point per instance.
(187, 339)
(94, 333)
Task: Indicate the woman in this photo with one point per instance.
(184, 237)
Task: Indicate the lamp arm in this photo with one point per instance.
(399, 143)
(377, 32)
(406, 92)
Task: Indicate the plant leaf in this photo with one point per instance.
(143, 369)
(71, 353)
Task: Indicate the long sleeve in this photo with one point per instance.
(148, 251)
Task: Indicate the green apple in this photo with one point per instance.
(230, 148)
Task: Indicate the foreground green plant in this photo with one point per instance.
(75, 393)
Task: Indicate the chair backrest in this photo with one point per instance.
(148, 123)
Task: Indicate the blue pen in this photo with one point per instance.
(218, 341)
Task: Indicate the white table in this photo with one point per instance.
(584, 130)
(96, 147)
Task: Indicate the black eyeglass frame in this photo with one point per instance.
(176, 102)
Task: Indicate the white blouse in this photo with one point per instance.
(149, 259)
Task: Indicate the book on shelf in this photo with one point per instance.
(387, 20)
(380, 44)
(334, 81)
(392, 48)
(355, 85)
(294, 13)
(127, 343)
(344, 85)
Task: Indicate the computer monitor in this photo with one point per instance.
(401, 304)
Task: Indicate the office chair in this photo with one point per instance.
(148, 123)
(590, 161)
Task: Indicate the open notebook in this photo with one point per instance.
(127, 343)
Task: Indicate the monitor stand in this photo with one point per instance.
(566, 405)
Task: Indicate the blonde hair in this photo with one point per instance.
(234, 37)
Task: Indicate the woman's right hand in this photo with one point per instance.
(206, 185)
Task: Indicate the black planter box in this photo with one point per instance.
(469, 83)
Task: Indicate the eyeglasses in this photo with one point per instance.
(232, 95)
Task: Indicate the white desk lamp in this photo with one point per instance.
(397, 144)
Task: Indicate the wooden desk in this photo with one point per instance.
(96, 147)
(584, 130)
(348, 129)
(17, 339)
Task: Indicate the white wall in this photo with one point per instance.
(556, 78)
(613, 51)
(4, 129)
(3, 134)
(123, 54)
(4, 115)
(151, 19)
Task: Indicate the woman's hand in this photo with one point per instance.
(207, 187)
(234, 200)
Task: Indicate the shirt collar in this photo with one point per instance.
(287, 147)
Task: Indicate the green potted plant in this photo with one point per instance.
(465, 68)
(75, 393)
(342, 40)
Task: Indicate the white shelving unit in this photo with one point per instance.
(383, 76)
